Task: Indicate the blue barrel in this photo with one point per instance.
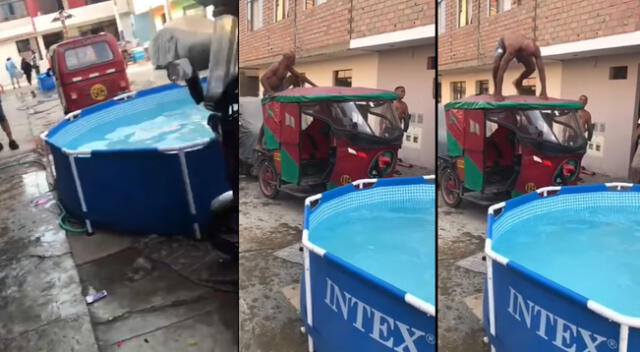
(46, 83)
(138, 55)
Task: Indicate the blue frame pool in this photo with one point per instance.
(402, 312)
(525, 311)
(164, 191)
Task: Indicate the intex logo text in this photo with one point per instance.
(563, 334)
(377, 325)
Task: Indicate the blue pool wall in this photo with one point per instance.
(512, 290)
(139, 190)
(330, 276)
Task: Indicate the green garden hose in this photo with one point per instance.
(23, 163)
(63, 225)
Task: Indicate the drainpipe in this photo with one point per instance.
(295, 25)
(351, 21)
(535, 21)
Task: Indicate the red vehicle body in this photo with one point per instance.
(88, 70)
(498, 150)
(327, 137)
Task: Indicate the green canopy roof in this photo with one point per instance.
(337, 94)
(484, 102)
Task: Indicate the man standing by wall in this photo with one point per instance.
(585, 117)
(402, 109)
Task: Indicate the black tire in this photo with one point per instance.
(450, 188)
(245, 168)
(268, 179)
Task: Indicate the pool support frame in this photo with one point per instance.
(573, 301)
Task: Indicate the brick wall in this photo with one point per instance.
(372, 17)
(323, 26)
(326, 28)
(585, 19)
(547, 21)
(269, 41)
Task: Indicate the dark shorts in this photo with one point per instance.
(500, 50)
(282, 88)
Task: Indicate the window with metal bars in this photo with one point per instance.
(12, 10)
(280, 8)
(254, 14)
(458, 90)
(308, 4)
(342, 78)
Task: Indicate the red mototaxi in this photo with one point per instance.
(88, 70)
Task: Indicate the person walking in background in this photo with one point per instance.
(13, 71)
(4, 123)
(26, 67)
(34, 62)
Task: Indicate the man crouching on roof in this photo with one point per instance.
(281, 76)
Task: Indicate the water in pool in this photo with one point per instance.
(162, 126)
(594, 252)
(395, 244)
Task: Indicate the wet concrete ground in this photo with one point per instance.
(270, 268)
(164, 294)
(41, 303)
(461, 235)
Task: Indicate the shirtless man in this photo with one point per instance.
(525, 51)
(275, 79)
(401, 107)
(585, 116)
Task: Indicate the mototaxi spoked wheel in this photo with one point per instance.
(450, 188)
(268, 179)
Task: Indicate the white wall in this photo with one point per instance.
(140, 6)
(364, 70)
(127, 27)
(19, 27)
(408, 67)
(612, 102)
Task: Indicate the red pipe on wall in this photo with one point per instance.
(32, 7)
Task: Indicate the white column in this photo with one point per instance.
(167, 10)
(118, 22)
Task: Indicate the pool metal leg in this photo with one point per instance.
(624, 338)
(307, 292)
(187, 186)
(76, 178)
(492, 317)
